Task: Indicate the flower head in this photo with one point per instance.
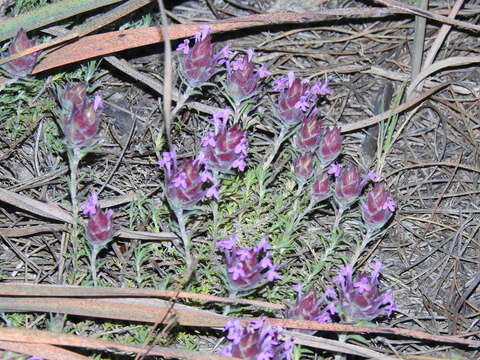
(248, 268)
(22, 66)
(80, 115)
(198, 63)
(99, 228)
(303, 167)
(330, 145)
(294, 102)
(378, 207)
(310, 134)
(360, 298)
(184, 185)
(321, 188)
(242, 80)
(256, 341)
(225, 148)
(348, 186)
(310, 306)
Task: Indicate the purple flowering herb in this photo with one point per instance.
(184, 185)
(310, 306)
(330, 145)
(198, 63)
(321, 188)
(22, 66)
(247, 268)
(310, 134)
(257, 341)
(359, 296)
(378, 208)
(348, 187)
(303, 167)
(225, 148)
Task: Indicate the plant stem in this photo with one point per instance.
(93, 264)
(74, 158)
(187, 244)
(358, 252)
(182, 100)
(276, 146)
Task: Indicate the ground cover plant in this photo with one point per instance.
(303, 187)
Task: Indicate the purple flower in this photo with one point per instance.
(99, 228)
(256, 341)
(90, 207)
(334, 169)
(198, 63)
(184, 185)
(310, 134)
(22, 66)
(360, 298)
(247, 268)
(330, 145)
(226, 148)
(378, 208)
(310, 306)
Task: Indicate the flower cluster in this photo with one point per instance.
(247, 268)
(318, 147)
(184, 185)
(99, 228)
(242, 81)
(197, 65)
(257, 341)
(22, 66)
(296, 98)
(359, 298)
(224, 148)
(80, 115)
(309, 306)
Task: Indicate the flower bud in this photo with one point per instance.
(360, 299)
(330, 146)
(310, 134)
(303, 167)
(378, 208)
(348, 186)
(309, 306)
(321, 188)
(257, 341)
(22, 66)
(247, 268)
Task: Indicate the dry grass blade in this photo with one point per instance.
(450, 62)
(50, 211)
(44, 351)
(29, 336)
